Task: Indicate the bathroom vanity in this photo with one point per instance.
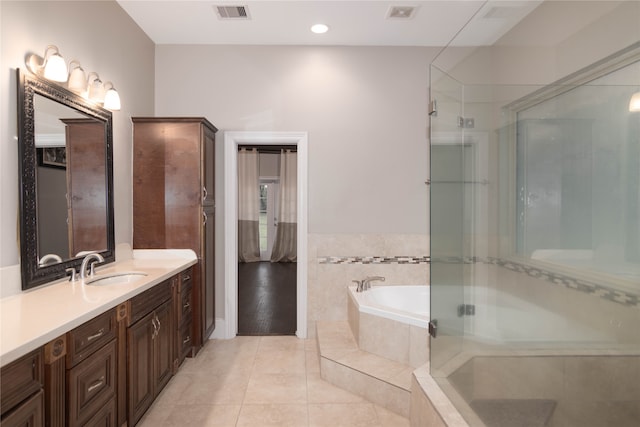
(96, 350)
(75, 353)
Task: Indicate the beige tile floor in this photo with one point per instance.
(261, 382)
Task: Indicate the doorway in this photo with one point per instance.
(229, 324)
(266, 247)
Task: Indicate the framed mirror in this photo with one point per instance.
(66, 180)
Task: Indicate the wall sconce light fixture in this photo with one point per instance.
(51, 66)
(95, 88)
(111, 97)
(77, 78)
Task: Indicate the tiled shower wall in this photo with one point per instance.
(337, 259)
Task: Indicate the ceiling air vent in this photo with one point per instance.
(401, 12)
(233, 12)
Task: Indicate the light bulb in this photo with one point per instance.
(634, 103)
(111, 98)
(54, 66)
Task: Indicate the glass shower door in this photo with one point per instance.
(447, 203)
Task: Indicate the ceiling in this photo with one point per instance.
(351, 23)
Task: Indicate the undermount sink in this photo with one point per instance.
(115, 278)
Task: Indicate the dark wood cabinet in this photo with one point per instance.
(22, 395)
(150, 351)
(174, 203)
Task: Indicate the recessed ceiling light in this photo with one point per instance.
(319, 28)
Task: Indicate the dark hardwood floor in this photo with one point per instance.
(267, 298)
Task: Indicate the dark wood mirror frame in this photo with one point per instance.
(28, 86)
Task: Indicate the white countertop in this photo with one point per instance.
(33, 318)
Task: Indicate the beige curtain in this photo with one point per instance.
(285, 244)
(248, 206)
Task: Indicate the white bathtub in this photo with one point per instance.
(405, 304)
(392, 322)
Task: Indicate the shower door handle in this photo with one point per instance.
(433, 328)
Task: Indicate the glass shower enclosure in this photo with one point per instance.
(535, 215)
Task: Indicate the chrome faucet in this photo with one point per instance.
(88, 264)
(366, 283)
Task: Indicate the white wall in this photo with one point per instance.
(363, 107)
(104, 39)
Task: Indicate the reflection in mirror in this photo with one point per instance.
(66, 179)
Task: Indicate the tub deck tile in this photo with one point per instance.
(380, 380)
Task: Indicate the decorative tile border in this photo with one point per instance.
(620, 297)
(581, 285)
(586, 286)
(374, 260)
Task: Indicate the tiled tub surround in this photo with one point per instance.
(393, 339)
(379, 380)
(613, 325)
(337, 259)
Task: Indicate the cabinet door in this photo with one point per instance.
(29, 414)
(208, 237)
(163, 346)
(140, 378)
(20, 379)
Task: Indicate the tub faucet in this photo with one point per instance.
(366, 283)
(88, 264)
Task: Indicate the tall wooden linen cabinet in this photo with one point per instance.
(173, 201)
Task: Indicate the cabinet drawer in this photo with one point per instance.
(185, 342)
(91, 384)
(20, 379)
(143, 304)
(30, 413)
(105, 417)
(89, 337)
(185, 276)
(185, 302)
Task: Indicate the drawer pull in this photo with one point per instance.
(186, 306)
(96, 335)
(186, 277)
(96, 384)
(186, 340)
